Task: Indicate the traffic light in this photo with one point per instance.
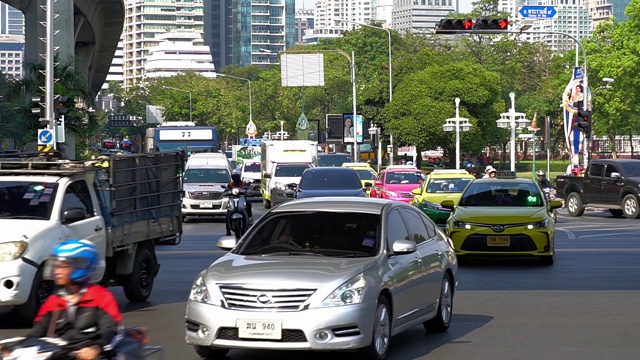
(121, 120)
(584, 121)
(491, 24)
(62, 106)
(451, 26)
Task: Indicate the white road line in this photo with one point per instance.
(191, 252)
(600, 250)
(602, 235)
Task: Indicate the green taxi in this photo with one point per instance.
(440, 185)
(504, 217)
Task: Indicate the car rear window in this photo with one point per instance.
(334, 234)
(330, 180)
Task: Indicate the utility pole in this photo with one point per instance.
(49, 71)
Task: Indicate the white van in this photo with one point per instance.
(204, 180)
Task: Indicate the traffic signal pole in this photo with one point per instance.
(586, 101)
(49, 73)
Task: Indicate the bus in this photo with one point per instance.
(174, 136)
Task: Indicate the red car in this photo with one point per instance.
(396, 182)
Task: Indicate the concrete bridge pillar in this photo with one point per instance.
(64, 40)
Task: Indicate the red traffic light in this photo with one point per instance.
(491, 24)
(451, 26)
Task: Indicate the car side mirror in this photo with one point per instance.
(448, 204)
(417, 191)
(377, 182)
(72, 215)
(267, 176)
(555, 204)
(616, 175)
(403, 247)
(367, 184)
(227, 242)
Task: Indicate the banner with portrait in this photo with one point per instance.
(573, 99)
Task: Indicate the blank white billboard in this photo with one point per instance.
(302, 69)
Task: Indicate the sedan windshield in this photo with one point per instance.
(322, 233)
(501, 194)
(206, 176)
(334, 159)
(330, 180)
(366, 174)
(447, 185)
(26, 200)
(404, 177)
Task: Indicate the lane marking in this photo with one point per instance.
(191, 252)
(602, 235)
(569, 233)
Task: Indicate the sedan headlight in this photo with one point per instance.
(12, 250)
(460, 224)
(348, 293)
(280, 186)
(538, 225)
(391, 193)
(200, 293)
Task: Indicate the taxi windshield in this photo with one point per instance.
(404, 177)
(502, 194)
(366, 174)
(447, 185)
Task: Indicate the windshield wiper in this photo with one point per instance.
(34, 217)
(292, 253)
(353, 255)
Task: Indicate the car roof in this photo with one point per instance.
(408, 169)
(341, 204)
(329, 169)
(333, 154)
(504, 180)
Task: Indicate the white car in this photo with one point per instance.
(251, 175)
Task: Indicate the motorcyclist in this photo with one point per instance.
(543, 181)
(236, 182)
(80, 312)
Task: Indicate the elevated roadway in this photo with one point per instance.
(88, 33)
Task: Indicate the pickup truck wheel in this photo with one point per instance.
(630, 207)
(574, 204)
(40, 291)
(616, 212)
(138, 285)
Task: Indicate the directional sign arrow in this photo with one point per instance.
(533, 11)
(45, 137)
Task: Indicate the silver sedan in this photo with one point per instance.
(325, 274)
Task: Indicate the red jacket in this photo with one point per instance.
(96, 319)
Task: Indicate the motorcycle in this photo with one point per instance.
(129, 346)
(237, 217)
(550, 194)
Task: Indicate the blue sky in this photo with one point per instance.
(465, 5)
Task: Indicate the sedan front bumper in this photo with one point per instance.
(348, 327)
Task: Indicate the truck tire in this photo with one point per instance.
(574, 204)
(630, 207)
(138, 285)
(40, 291)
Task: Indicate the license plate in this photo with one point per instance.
(498, 241)
(206, 205)
(259, 329)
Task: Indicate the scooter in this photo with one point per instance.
(128, 346)
(237, 217)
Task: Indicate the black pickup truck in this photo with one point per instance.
(612, 184)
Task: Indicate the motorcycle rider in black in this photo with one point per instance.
(236, 182)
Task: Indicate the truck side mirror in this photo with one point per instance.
(615, 175)
(72, 215)
(267, 176)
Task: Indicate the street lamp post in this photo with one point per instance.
(375, 131)
(449, 126)
(187, 91)
(390, 71)
(249, 81)
(513, 120)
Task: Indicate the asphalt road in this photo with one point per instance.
(583, 307)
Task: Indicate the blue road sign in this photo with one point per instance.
(536, 11)
(45, 137)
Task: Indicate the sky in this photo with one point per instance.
(465, 5)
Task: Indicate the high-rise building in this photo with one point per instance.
(106, 100)
(11, 55)
(145, 20)
(304, 21)
(599, 11)
(261, 29)
(330, 13)
(572, 19)
(384, 13)
(11, 20)
(218, 31)
(619, 6)
(179, 52)
(420, 16)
